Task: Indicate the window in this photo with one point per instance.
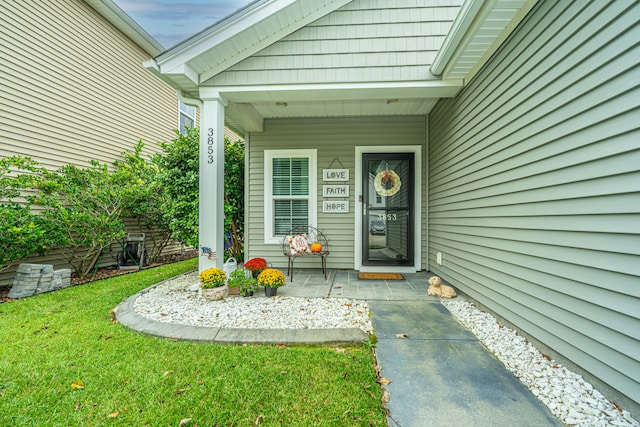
(290, 191)
(187, 117)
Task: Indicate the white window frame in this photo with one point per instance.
(184, 112)
(269, 155)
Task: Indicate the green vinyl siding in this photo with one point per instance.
(335, 140)
(534, 186)
(361, 41)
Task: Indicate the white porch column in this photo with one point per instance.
(211, 207)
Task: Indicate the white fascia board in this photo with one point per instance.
(515, 21)
(236, 24)
(153, 67)
(338, 91)
(183, 79)
(459, 28)
(128, 26)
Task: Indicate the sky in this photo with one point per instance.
(173, 21)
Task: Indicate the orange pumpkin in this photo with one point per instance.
(316, 247)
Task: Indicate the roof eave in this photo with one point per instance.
(473, 15)
(128, 26)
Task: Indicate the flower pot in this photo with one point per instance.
(255, 274)
(270, 292)
(214, 294)
(248, 294)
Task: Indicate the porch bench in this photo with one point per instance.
(298, 242)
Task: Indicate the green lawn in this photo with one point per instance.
(63, 362)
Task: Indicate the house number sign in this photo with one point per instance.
(210, 146)
(335, 174)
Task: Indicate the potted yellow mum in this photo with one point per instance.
(212, 282)
(271, 279)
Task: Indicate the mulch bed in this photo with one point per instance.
(106, 272)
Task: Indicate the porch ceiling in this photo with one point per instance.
(248, 106)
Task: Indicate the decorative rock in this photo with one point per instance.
(567, 395)
(173, 302)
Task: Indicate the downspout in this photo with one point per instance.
(462, 23)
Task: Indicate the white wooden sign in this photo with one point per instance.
(335, 191)
(337, 206)
(335, 174)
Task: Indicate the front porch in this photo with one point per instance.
(310, 283)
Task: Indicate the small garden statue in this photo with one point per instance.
(436, 288)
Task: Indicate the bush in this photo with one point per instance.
(23, 232)
(179, 177)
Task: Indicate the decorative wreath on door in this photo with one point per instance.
(383, 178)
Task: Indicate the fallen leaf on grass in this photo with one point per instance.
(113, 414)
(402, 335)
(166, 374)
(184, 421)
(77, 385)
(281, 346)
(179, 392)
(384, 381)
(75, 408)
(259, 420)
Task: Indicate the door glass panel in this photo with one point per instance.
(388, 210)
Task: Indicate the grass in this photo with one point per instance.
(63, 362)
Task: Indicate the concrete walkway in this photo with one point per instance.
(440, 374)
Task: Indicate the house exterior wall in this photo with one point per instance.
(334, 139)
(366, 40)
(73, 88)
(534, 186)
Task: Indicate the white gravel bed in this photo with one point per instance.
(568, 396)
(173, 302)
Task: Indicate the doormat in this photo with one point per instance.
(380, 276)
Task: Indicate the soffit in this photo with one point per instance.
(483, 34)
